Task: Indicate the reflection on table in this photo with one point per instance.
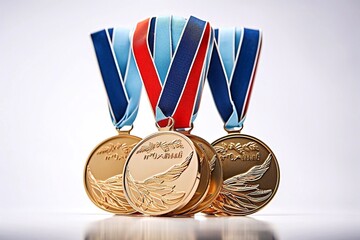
(199, 227)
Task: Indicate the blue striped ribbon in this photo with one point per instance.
(119, 73)
(231, 72)
(173, 42)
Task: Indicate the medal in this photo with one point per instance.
(250, 169)
(103, 175)
(162, 173)
(251, 174)
(166, 173)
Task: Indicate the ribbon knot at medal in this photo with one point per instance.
(250, 168)
(104, 168)
(171, 54)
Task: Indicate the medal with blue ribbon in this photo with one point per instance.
(172, 55)
(104, 167)
(250, 168)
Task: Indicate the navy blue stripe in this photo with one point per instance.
(217, 35)
(111, 30)
(219, 86)
(110, 75)
(181, 65)
(151, 35)
(244, 68)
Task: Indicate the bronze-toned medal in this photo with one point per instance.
(250, 168)
(162, 173)
(104, 172)
(251, 175)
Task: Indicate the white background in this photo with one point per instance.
(305, 103)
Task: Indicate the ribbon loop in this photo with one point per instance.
(119, 73)
(232, 72)
(180, 50)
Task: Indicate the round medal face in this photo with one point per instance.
(216, 177)
(104, 172)
(251, 175)
(161, 173)
(204, 183)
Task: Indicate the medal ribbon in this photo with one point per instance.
(119, 73)
(232, 72)
(171, 55)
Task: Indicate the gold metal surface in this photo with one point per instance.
(216, 174)
(203, 186)
(251, 175)
(103, 173)
(161, 173)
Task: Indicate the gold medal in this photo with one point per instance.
(104, 172)
(162, 173)
(251, 175)
(167, 173)
(104, 168)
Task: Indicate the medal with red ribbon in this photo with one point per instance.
(172, 55)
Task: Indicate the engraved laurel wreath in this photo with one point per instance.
(109, 193)
(237, 193)
(154, 193)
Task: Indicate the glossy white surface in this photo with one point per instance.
(101, 227)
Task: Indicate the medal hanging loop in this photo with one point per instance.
(232, 72)
(169, 126)
(177, 95)
(125, 131)
(234, 130)
(186, 130)
(120, 75)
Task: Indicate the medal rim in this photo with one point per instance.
(202, 206)
(88, 161)
(185, 210)
(240, 135)
(194, 185)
